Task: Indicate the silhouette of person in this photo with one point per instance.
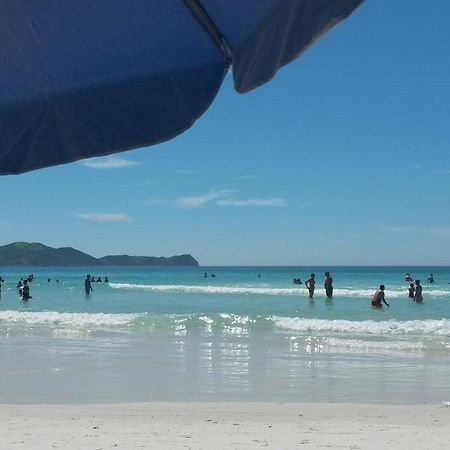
(311, 285)
(25, 291)
(328, 285)
(418, 298)
(430, 278)
(411, 291)
(87, 285)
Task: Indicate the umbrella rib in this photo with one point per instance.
(203, 18)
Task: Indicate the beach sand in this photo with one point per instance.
(221, 425)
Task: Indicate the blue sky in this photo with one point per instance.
(343, 158)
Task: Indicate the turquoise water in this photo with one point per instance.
(248, 333)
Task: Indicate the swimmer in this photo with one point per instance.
(87, 285)
(411, 291)
(378, 297)
(311, 285)
(328, 285)
(418, 298)
(25, 291)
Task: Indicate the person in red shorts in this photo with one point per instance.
(378, 297)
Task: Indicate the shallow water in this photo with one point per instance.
(172, 334)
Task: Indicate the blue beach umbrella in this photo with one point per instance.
(84, 78)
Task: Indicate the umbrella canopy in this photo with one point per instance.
(93, 77)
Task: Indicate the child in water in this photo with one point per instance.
(411, 290)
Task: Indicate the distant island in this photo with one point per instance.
(40, 255)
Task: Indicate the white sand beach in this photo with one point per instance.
(224, 426)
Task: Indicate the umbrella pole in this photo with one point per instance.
(203, 18)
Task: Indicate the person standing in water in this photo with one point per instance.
(328, 285)
(430, 278)
(378, 297)
(418, 298)
(87, 285)
(25, 291)
(411, 291)
(310, 284)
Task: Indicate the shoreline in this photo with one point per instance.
(223, 425)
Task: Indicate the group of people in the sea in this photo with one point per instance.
(415, 292)
(409, 278)
(89, 280)
(23, 285)
(415, 289)
(310, 284)
(378, 299)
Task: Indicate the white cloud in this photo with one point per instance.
(220, 198)
(104, 217)
(268, 202)
(418, 166)
(108, 162)
(200, 200)
(445, 172)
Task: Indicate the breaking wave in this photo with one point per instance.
(66, 319)
(149, 321)
(371, 327)
(251, 290)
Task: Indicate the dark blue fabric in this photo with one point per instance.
(267, 34)
(92, 77)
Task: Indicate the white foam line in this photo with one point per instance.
(206, 289)
(66, 319)
(357, 344)
(195, 289)
(429, 327)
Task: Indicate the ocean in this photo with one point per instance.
(247, 333)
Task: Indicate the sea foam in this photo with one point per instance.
(66, 319)
(358, 345)
(252, 290)
(429, 327)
